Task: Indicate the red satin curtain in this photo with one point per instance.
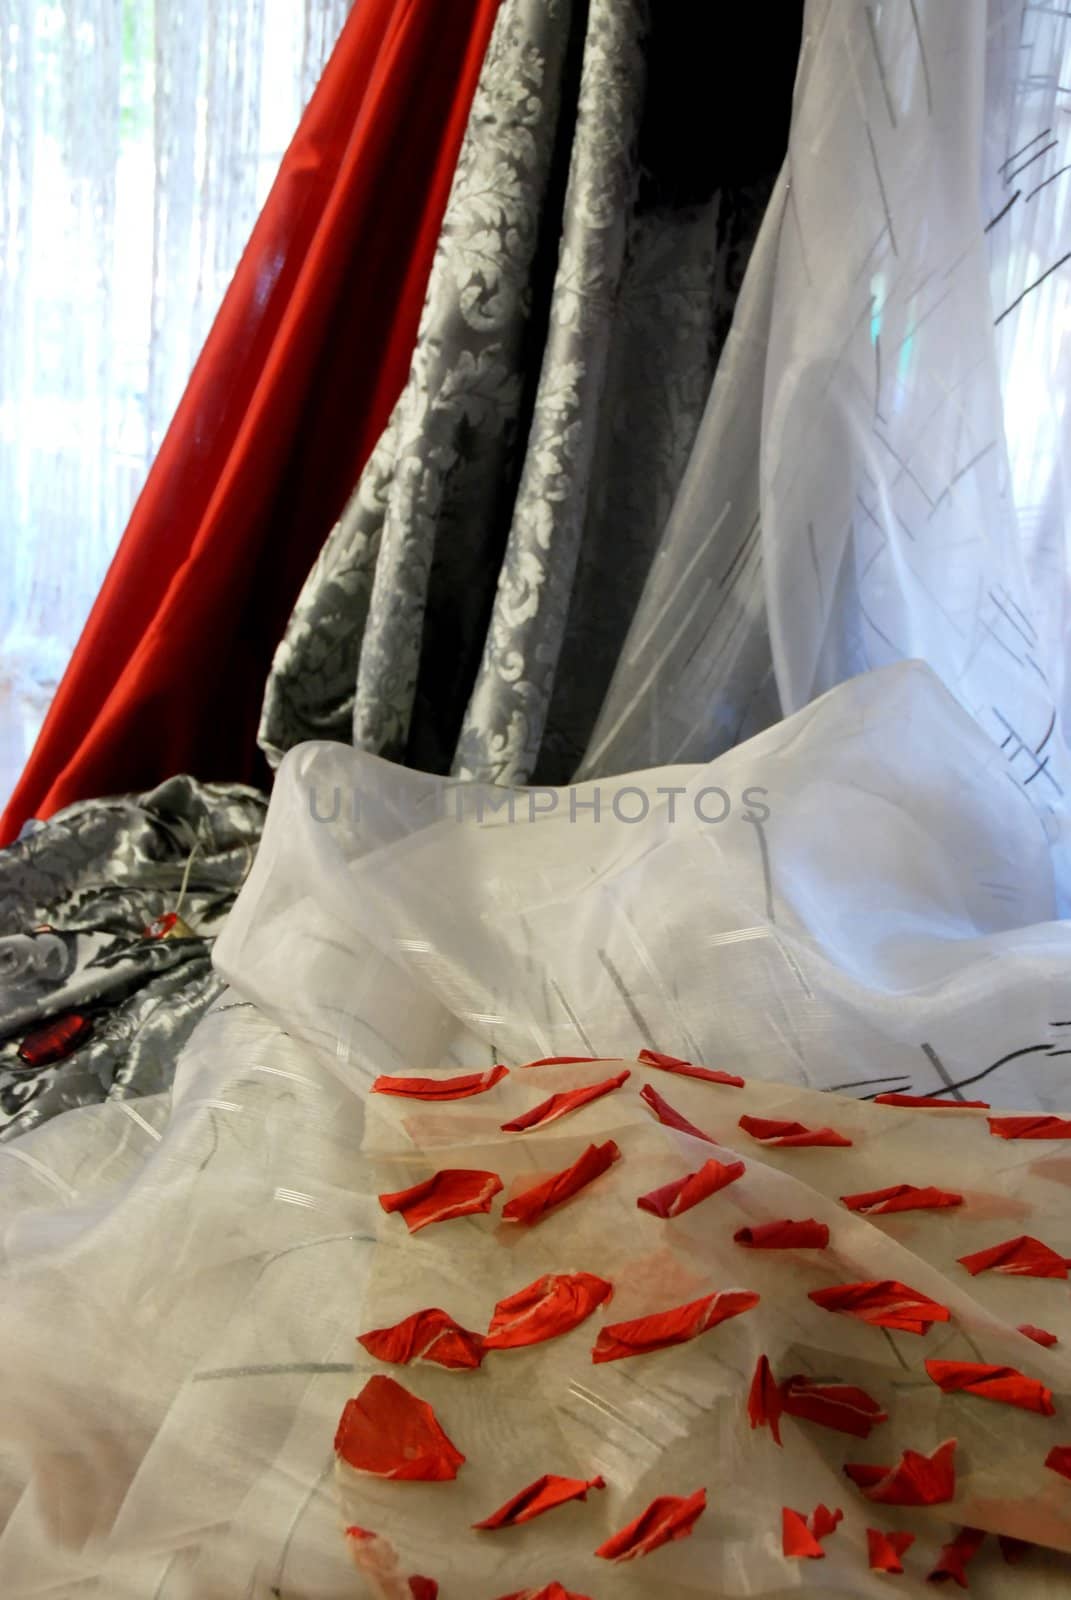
(295, 383)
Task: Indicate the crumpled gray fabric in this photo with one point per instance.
(77, 894)
(467, 612)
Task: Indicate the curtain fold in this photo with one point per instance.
(296, 380)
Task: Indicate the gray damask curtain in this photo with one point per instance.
(468, 610)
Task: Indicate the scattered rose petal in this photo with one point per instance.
(668, 1117)
(954, 1557)
(388, 1432)
(534, 1203)
(900, 1197)
(801, 1536)
(1030, 1127)
(550, 1306)
(429, 1335)
(456, 1088)
(669, 1517)
(674, 1198)
(789, 1135)
(687, 1069)
(543, 1495)
(559, 1105)
(55, 1040)
(1004, 1384)
(549, 1591)
(915, 1480)
(1059, 1459)
(885, 1549)
(377, 1559)
(618, 1340)
(1022, 1257)
(764, 1399)
(1039, 1335)
(423, 1589)
(841, 1406)
(928, 1101)
(804, 1235)
(561, 1061)
(884, 1304)
(454, 1192)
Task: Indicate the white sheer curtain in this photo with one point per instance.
(138, 139)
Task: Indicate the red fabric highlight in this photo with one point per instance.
(668, 1117)
(454, 1192)
(1030, 1127)
(788, 1235)
(559, 1105)
(841, 1406)
(790, 1135)
(1003, 1384)
(461, 1087)
(801, 1536)
(429, 1335)
(1059, 1460)
(764, 1399)
(915, 1480)
(388, 1432)
(954, 1557)
(925, 1101)
(884, 1304)
(667, 1518)
(533, 1204)
(681, 1195)
(884, 1550)
(552, 1305)
(900, 1197)
(1022, 1257)
(295, 383)
(643, 1335)
(1039, 1335)
(687, 1069)
(545, 1494)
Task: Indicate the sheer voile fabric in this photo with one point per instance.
(296, 380)
(880, 471)
(857, 900)
(467, 611)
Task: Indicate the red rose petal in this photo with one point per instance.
(669, 1517)
(764, 1400)
(462, 1087)
(454, 1192)
(1030, 1127)
(823, 1522)
(423, 1589)
(687, 1069)
(543, 1495)
(1039, 1335)
(643, 1335)
(900, 1197)
(925, 1101)
(559, 1105)
(884, 1304)
(668, 1117)
(1022, 1257)
(549, 1591)
(1003, 1384)
(1059, 1459)
(841, 1406)
(915, 1480)
(53, 1041)
(674, 1198)
(561, 1061)
(388, 1432)
(885, 1549)
(954, 1557)
(550, 1306)
(788, 1235)
(800, 1535)
(429, 1335)
(534, 1203)
(789, 1135)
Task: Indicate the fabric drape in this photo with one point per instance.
(295, 382)
(467, 611)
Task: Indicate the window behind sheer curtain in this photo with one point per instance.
(138, 140)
